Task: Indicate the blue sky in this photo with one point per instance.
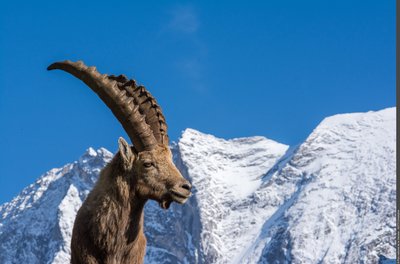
(269, 68)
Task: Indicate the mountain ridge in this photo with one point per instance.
(254, 200)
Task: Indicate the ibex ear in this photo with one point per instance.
(127, 155)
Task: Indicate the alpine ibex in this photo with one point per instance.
(109, 225)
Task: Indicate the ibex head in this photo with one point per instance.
(148, 162)
(154, 175)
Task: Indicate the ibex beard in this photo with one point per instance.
(109, 225)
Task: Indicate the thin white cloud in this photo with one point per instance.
(182, 25)
(184, 19)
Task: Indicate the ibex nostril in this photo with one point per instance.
(187, 186)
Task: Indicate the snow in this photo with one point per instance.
(343, 210)
(225, 174)
(39, 220)
(68, 209)
(331, 199)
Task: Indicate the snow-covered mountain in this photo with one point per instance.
(330, 199)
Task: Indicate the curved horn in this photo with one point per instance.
(116, 99)
(148, 106)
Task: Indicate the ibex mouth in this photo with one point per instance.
(180, 197)
(174, 196)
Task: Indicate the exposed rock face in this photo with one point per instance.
(329, 200)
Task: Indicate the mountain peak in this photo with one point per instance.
(384, 116)
(91, 155)
(195, 136)
(92, 161)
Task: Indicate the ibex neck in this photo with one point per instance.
(135, 226)
(120, 202)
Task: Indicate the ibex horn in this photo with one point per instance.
(117, 100)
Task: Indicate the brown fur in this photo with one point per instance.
(109, 226)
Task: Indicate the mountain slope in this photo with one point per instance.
(225, 174)
(329, 200)
(341, 203)
(36, 225)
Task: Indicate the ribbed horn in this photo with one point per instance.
(148, 106)
(116, 99)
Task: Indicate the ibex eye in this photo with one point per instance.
(147, 164)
